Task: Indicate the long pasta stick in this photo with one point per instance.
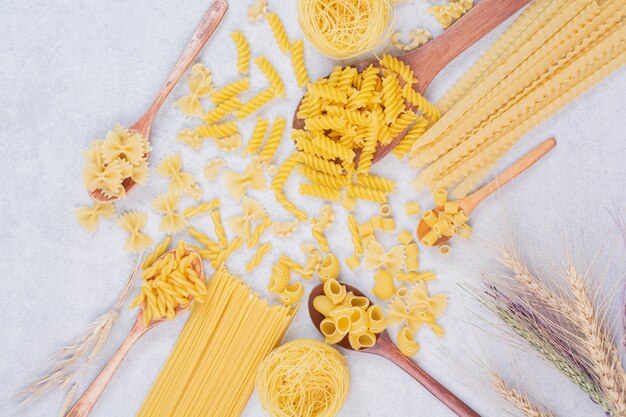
(469, 102)
(581, 75)
(563, 41)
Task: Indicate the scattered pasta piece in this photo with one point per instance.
(213, 168)
(406, 342)
(284, 229)
(258, 136)
(297, 62)
(243, 51)
(221, 110)
(273, 140)
(238, 184)
(444, 250)
(349, 203)
(449, 13)
(219, 228)
(171, 282)
(88, 217)
(279, 279)
(319, 225)
(376, 257)
(200, 84)
(255, 103)
(279, 32)
(202, 208)
(189, 137)
(353, 262)
(256, 259)
(291, 294)
(417, 38)
(252, 211)
(385, 210)
(258, 231)
(229, 143)
(405, 237)
(329, 269)
(415, 276)
(412, 208)
(172, 221)
(388, 225)
(172, 167)
(230, 90)
(257, 10)
(448, 220)
(133, 222)
(271, 74)
(217, 130)
(384, 287)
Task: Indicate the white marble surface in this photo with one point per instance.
(70, 69)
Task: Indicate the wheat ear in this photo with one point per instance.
(602, 353)
(519, 400)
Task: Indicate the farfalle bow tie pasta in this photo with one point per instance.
(253, 177)
(376, 257)
(252, 210)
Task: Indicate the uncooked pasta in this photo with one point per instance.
(345, 28)
(303, 378)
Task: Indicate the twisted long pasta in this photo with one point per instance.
(367, 154)
(243, 51)
(290, 207)
(258, 136)
(157, 252)
(364, 193)
(271, 74)
(423, 105)
(297, 62)
(225, 253)
(258, 231)
(255, 103)
(218, 130)
(219, 228)
(256, 259)
(284, 171)
(230, 90)
(280, 34)
(416, 131)
(206, 241)
(274, 139)
(201, 208)
(353, 227)
(221, 110)
(320, 191)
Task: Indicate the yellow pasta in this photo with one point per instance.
(384, 287)
(258, 232)
(376, 256)
(217, 130)
(415, 276)
(405, 237)
(172, 221)
(297, 62)
(290, 207)
(133, 222)
(406, 342)
(271, 74)
(201, 208)
(291, 294)
(388, 225)
(213, 167)
(230, 90)
(88, 217)
(447, 14)
(334, 291)
(412, 208)
(221, 110)
(243, 51)
(189, 137)
(423, 105)
(353, 261)
(283, 229)
(252, 211)
(255, 103)
(279, 32)
(258, 136)
(376, 182)
(200, 84)
(219, 228)
(398, 67)
(320, 191)
(238, 184)
(204, 376)
(279, 279)
(256, 259)
(329, 268)
(364, 193)
(444, 250)
(274, 139)
(257, 10)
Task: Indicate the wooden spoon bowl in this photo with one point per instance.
(429, 60)
(469, 203)
(385, 348)
(89, 398)
(209, 22)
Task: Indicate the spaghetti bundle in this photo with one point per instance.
(303, 378)
(345, 28)
(211, 370)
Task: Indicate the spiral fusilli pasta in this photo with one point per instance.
(271, 74)
(297, 62)
(221, 110)
(273, 140)
(255, 103)
(229, 90)
(243, 51)
(280, 34)
(256, 259)
(398, 67)
(217, 130)
(320, 191)
(364, 193)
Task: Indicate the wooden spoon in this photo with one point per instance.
(469, 203)
(385, 348)
(201, 35)
(86, 402)
(427, 61)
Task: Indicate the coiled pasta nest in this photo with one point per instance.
(345, 28)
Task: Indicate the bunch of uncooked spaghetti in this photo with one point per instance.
(568, 328)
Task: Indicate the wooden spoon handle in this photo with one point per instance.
(431, 58)
(470, 202)
(201, 35)
(86, 402)
(389, 351)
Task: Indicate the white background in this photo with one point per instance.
(69, 70)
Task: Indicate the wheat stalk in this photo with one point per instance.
(519, 400)
(68, 362)
(601, 352)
